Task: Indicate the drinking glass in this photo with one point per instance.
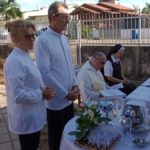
(126, 123)
(106, 106)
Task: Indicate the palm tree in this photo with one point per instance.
(146, 9)
(136, 8)
(10, 10)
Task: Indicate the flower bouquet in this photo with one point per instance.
(93, 130)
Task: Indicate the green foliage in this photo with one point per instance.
(86, 31)
(146, 9)
(10, 10)
(89, 118)
(73, 30)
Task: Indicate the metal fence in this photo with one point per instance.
(129, 30)
(132, 29)
(97, 29)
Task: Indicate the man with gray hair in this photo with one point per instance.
(90, 79)
(54, 61)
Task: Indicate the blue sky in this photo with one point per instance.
(34, 4)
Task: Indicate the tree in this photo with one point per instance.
(136, 8)
(10, 10)
(146, 9)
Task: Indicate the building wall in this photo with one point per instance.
(128, 33)
(136, 62)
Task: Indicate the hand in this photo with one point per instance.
(48, 93)
(75, 88)
(125, 81)
(73, 94)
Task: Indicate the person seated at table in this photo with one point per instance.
(90, 79)
(113, 70)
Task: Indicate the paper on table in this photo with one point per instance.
(147, 83)
(112, 93)
(116, 86)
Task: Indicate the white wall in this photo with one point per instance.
(127, 33)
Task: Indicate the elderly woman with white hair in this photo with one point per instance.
(113, 74)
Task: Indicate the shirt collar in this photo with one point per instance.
(114, 59)
(53, 32)
(21, 51)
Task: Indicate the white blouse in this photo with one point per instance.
(25, 105)
(108, 71)
(108, 68)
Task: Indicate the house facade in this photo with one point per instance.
(102, 10)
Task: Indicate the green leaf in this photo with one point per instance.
(10, 10)
(105, 119)
(72, 133)
(78, 134)
(81, 134)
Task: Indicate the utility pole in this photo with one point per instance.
(65, 1)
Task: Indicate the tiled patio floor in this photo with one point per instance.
(8, 141)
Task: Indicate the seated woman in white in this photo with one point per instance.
(113, 74)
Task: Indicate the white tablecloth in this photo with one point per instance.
(142, 93)
(67, 142)
(147, 82)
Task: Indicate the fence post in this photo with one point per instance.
(139, 30)
(79, 42)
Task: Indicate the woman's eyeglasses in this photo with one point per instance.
(30, 36)
(103, 63)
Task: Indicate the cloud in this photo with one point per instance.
(32, 4)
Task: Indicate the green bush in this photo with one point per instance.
(86, 31)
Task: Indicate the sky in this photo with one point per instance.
(34, 4)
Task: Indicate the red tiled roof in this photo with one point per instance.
(82, 9)
(115, 6)
(89, 8)
(101, 7)
(96, 7)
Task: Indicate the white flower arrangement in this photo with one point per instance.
(89, 117)
(94, 131)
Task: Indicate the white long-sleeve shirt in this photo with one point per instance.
(23, 81)
(53, 58)
(90, 82)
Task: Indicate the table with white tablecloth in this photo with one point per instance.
(141, 93)
(125, 143)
